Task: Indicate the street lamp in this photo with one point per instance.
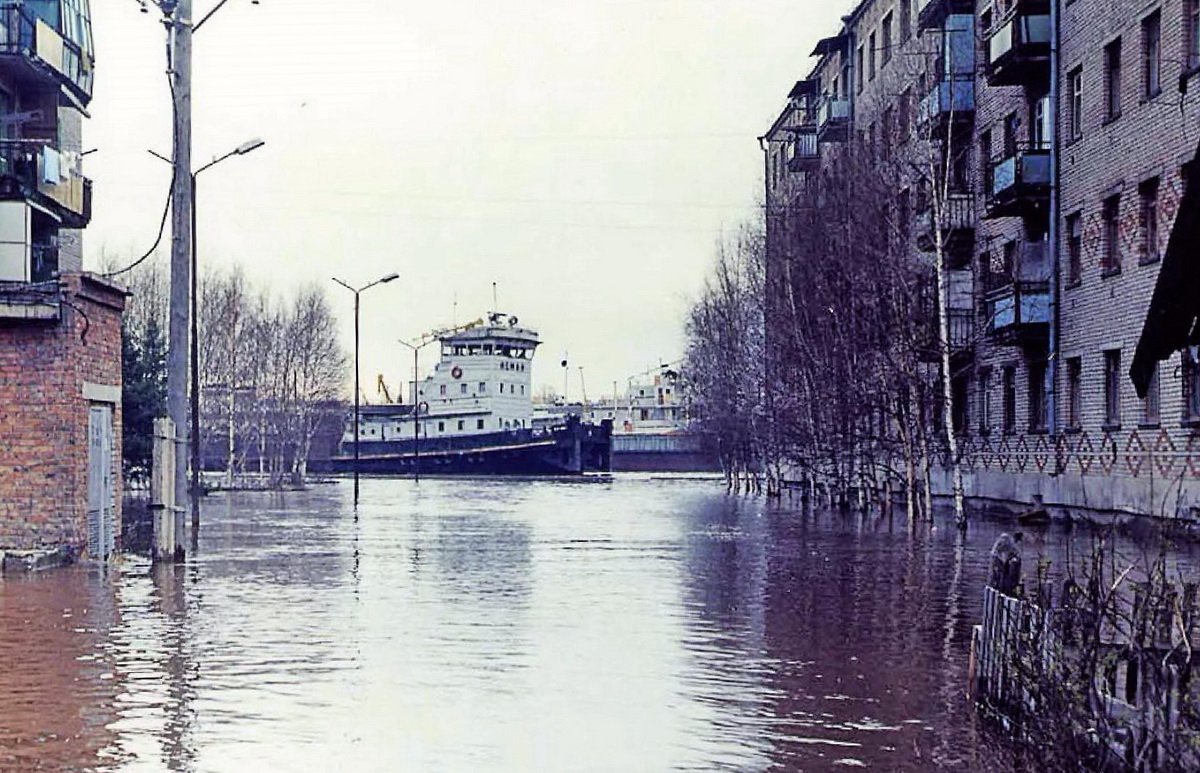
(416, 408)
(194, 306)
(357, 292)
(240, 150)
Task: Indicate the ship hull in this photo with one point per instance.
(572, 449)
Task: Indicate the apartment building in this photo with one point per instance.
(60, 338)
(1062, 128)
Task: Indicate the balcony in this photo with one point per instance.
(34, 48)
(957, 225)
(802, 150)
(960, 329)
(1018, 51)
(1018, 184)
(931, 14)
(35, 172)
(1017, 299)
(951, 102)
(25, 302)
(1019, 313)
(833, 119)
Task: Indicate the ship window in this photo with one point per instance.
(462, 388)
(507, 425)
(487, 348)
(522, 389)
(460, 424)
(479, 424)
(501, 387)
(443, 389)
(482, 386)
(441, 426)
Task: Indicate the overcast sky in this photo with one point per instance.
(584, 155)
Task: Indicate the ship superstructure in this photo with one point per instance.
(474, 413)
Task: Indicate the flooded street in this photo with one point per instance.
(636, 624)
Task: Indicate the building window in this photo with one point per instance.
(1012, 124)
(905, 20)
(860, 72)
(903, 121)
(1037, 395)
(1074, 393)
(1150, 403)
(1010, 399)
(1075, 103)
(887, 130)
(985, 415)
(985, 160)
(1112, 389)
(885, 53)
(871, 57)
(1039, 113)
(1191, 21)
(1110, 221)
(1152, 55)
(1074, 248)
(959, 404)
(1112, 80)
(1190, 367)
(1148, 219)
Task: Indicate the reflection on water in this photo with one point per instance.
(632, 624)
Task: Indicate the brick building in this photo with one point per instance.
(60, 338)
(1063, 127)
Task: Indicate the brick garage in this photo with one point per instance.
(52, 371)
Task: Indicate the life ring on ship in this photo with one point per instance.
(456, 372)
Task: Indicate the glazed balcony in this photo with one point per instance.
(1018, 184)
(35, 50)
(833, 119)
(802, 150)
(931, 14)
(957, 225)
(1019, 313)
(37, 173)
(1017, 299)
(1018, 49)
(949, 103)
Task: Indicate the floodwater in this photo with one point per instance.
(632, 624)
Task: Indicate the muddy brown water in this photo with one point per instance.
(634, 623)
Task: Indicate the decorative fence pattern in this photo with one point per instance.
(1136, 454)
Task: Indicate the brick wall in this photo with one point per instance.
(44, 424)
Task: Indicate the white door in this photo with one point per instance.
(100, 514)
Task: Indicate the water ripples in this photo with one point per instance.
(633, 624)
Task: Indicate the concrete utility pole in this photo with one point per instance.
(178, 20)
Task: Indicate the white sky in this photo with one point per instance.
(582, 154)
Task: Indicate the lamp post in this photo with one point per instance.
(416, 407)
(358, 291)
(240, 150)
(194, 314)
